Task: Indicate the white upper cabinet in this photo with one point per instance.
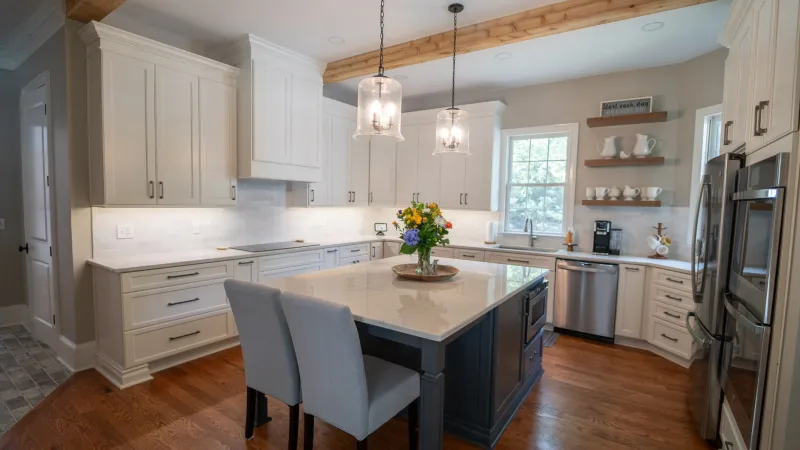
(382, 171)
(429, 166)
(280, 112)
(760, 103)
(151, 141)
(406, 163)
(358, 176)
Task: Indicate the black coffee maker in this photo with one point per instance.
(602, 237)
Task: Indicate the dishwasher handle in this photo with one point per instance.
(580, 266)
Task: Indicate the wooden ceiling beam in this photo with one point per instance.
(88, 10)
(547, 20)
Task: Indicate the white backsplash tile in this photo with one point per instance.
(263, 216)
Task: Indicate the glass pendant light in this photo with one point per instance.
(380, 100)
(452, 124)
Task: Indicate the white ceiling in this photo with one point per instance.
(615, 47)
(15, 12)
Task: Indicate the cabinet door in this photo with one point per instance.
(729, 99)
(630, 301)
(480, 166)
(331, 258)
(762, 70)
(246, 270)
(340, 142)
(382, 159)
(128, 130)
(217, 143)
(453, 173)
(319, 194)
(428, 166)
(305, 108)
(376, 251)
(742, 129)
(272, 109)
(177, 138)
(782, 110)
(359, 171)
(391, 249)
(406, 173)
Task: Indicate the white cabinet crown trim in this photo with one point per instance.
(736, 15)
(252, 42)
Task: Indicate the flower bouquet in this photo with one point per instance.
(422, 227)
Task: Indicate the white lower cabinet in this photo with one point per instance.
(542, 262)
(470, 255)
(442, 252)
(376, 251)
(630, 300)
(353, 260)
(288, 272)
(728, 431)
(246, 270)
(669, 301)
(391, 249)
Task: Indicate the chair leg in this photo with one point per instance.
(362, 445)
(262, 416)
(250, 415)
(413, 423)
(294, 419)
(308, 432)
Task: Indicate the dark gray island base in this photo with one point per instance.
(490, 366)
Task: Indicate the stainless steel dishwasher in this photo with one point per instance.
(585, 300)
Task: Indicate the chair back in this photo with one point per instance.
(331, 362)
(270, 363)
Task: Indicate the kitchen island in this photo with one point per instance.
(481, 331)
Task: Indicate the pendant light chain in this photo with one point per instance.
(380, 63)
(455, 36)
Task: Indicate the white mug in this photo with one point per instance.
(653, 241)
(600, 192)
(650, 193)
(589, 193)
(662, 250)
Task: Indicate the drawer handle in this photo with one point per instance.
(518, 261)
(355, 250)
(333, 251)
(674, 280)
(468, 256)
(184, 301)
(667, 337)
(632, 269)
(674, 316)
(171, 277)
(677, 299)
(184, 336)
(245, 263)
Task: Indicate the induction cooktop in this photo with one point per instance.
(270, 246)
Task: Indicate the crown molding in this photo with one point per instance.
(737, 14)
(32, 33)
(249, 44)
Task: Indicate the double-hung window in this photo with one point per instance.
(540, 185)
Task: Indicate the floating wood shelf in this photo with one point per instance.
(613, 162)
(627, 203)
(628, 119)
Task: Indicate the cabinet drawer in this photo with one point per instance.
(175, 276)
(671, 338)
(353, 260)
(674, 280)
(532, 361)
(147, 308)
(353, 250)
(669, 314)
(442, 252)
(152, 343)
(672, 297)
(288, 272)
(279, 262)
(470, 255)
(521, 260)
(729, 431)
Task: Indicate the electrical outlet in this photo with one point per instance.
(196, 228)
(125, 231)
(2, 224)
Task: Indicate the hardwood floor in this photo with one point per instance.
(592, 396)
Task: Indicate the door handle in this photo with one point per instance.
(161, 186)
(755, 121)
(312, 196)
(669, 337)
(233, 188)
(466, 196)
(24, 249)
(761, 105)
(461, 199)
(725, 139)
(151, 190)
(370, 197)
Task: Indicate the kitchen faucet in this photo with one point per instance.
(532, 238)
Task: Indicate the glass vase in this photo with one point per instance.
(424, 262)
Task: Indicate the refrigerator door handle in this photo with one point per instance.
(704, 330)
(695, 290)
(741, 319)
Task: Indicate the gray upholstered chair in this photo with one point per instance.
(270, 363)
(351, 391)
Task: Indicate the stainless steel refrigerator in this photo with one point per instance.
(711, 251)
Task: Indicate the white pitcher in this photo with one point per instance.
(630, 193)
(609, 148)
(644, 145)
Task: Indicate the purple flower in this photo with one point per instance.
(411, 237)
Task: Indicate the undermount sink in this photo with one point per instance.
(527, 249)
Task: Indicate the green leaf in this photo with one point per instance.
(407, 249)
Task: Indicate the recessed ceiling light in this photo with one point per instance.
(653, 26)
(399, 77)
(336, 40)
(503, 56)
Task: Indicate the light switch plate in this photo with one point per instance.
(124, 231)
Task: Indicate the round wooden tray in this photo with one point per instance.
(409, 272)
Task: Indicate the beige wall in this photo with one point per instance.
(12, 279)
(679, 89)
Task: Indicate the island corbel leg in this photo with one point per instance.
(431, 424)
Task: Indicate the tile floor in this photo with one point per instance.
(29, 371)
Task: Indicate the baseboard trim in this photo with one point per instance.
(13, 315)
(644, 345)
(76, 357)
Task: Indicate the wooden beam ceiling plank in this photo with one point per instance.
(88, 10)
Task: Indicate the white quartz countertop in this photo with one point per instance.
(433, 311)
(136, 263)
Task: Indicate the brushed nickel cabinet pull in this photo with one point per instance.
(184, 336)
(761, 105)
(668, 337)
(170, 277)
(161, 187)
(674, 316)
(725, 139)
(246, 263)
(151, 191)
(461, 199)
(674, 280)
(518, 261)
(755, 121)
(312, 196)
(196, 299)
(677, 299)
(466, 195)
(233, 188)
